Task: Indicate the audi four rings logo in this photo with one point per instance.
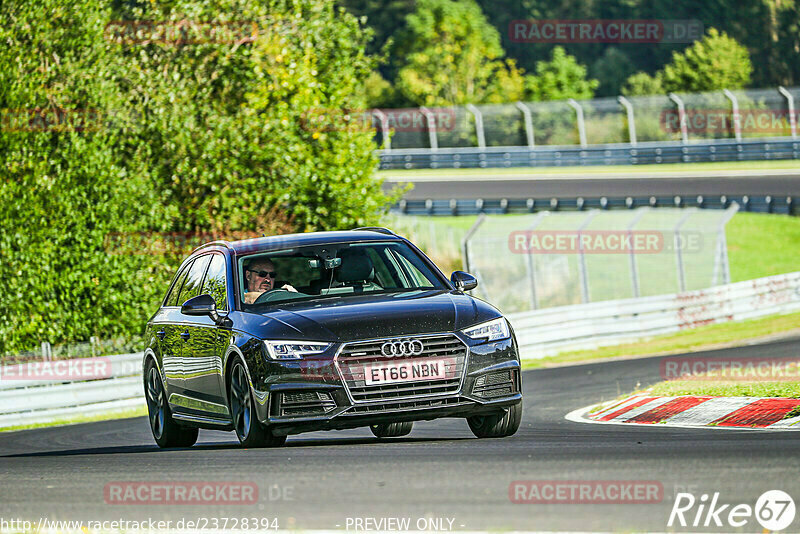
(406, 347)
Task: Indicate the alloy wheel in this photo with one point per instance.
(155, 402)
(240, 401)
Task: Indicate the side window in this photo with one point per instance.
(172, 298)
(191, 287)
(214, 283)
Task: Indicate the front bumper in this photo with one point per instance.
(325, 394)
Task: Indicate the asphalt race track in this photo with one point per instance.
(611, 185)
(440, 471)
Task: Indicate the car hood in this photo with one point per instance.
(370, 316)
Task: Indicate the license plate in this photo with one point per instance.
(407, 371)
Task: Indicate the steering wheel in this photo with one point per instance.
(270, 295)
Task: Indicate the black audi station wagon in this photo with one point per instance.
(319, 331)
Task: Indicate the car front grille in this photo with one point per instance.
(355, 356)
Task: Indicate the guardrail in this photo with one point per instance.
(586, 326)
(752, 203)
(775, 148)
(49, 393)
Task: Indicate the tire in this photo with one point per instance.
(499, 425)
(166, 431)
(392, 430)
(251, 433)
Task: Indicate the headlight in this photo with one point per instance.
(490, 331)
(293, 350)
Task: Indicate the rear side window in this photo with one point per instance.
(214, 283)
(172, 297)
(191, 287)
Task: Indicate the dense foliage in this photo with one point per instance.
(116, 136)
(768, 29)
(714, 63)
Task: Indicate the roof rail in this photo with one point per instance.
(379, 229)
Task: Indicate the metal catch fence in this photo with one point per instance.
(546, 259)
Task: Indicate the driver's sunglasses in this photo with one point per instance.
(263, 274)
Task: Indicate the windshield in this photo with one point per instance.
(338, 270)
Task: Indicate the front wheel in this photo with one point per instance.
(249, 430)
(499, 425)
(392, 430)
(166, 431)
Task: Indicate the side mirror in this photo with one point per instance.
(463, 281)
(201, 305)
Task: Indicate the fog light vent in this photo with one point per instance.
(305, 403)
(495, 384)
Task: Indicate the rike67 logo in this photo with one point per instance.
(774, 510)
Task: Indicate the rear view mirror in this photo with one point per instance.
(463, 281)
(201, 305)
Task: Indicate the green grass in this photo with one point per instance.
(120, 414)
(762, 245)
(704, 337)
(601, 169)
(715, 388)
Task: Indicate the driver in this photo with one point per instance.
(259, 278)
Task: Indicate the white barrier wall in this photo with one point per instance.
(585, 326)
(41, 392)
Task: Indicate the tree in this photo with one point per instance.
(559, 79)
(714, 63)
(106, 143)
(454, 57)
(641, 84)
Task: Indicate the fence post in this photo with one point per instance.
(721, 254)
(385, 134)
(737, 123)
(790, 102)
(430, 119)
(530, 264)
(631, 124)
(526, 113)
(632, 258)
(467, 237)
(478, 125)
(47, 351)
(677, 244)
(582, 257)
(681, 117)
(579, 115)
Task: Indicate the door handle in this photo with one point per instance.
(161, 334)
(185, 336)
